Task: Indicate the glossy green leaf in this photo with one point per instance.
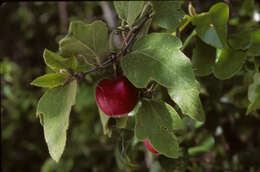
(211, 26)
(168, 14)
(254, 50)
(156, 121)
(104, 120)
(254, 94)
(50, 80)
(167, 65)
(56, 62)
(203, 58)
(53, 109)
(129, 10)
(151, 60)
(187, 98)
(228, 63)
(89, 40)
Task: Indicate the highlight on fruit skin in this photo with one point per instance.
(149, 147)
(116, 97)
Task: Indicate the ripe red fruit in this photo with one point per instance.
(116, 97)
(148, 145)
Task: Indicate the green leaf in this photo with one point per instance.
(211, 26)
(129, 10)
(89, 40)
(145, 29)
(152, 60)
(166, 64)
(168, 14)
(228, 63)
(240, 40)
(56, 62)
(254, 94)
(247, 8)
(122, 122)
(203, 58)
(156, 121)
(205, 145)
(104, 120)
(188, 100)
(53, 109)
(50, 80)
(254, 50)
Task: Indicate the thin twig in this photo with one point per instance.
(114, 57)
(133, 33)
(86, 61)
(99, 67)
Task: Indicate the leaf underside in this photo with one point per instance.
(53, 110)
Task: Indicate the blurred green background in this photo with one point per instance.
(27, 28)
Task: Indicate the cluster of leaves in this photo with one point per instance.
(231, 56)
(214, 52)
(152, 57)
(35, 25)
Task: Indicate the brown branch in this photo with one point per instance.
(81, 75)
(114, 57)
(132, 34)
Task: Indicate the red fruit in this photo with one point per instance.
(148, 145)
(116, 97)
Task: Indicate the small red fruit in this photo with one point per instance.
(116, 97)
(148, 145)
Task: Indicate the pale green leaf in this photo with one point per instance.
(51, 80)
(203, 58)
(89, 40)
(254, 94)
(104, 120)
(128, 122)
(228, 63)
(168, 14)
(122, 122)
(53, 109)
(166, 64)
(129, 10)
(157, 121)
(56, 62)
(211, 26)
